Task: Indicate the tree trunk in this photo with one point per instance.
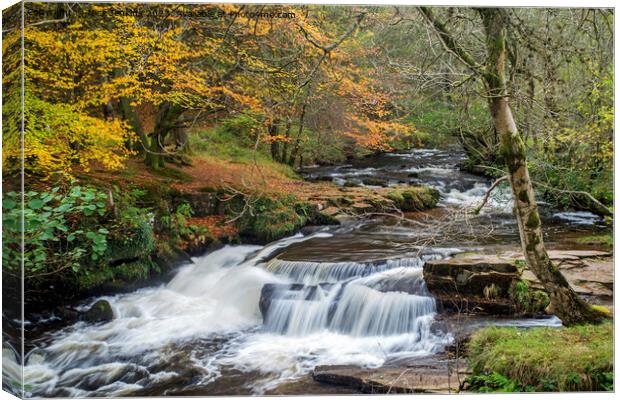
(130, 115)
(300, 131)
(565, 303)
(285, 144)
(166, 122)
(275, 144)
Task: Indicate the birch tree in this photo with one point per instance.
(564, 302)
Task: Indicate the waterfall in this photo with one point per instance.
(209, 319)
(367, 299)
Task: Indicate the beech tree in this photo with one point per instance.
(564, 302)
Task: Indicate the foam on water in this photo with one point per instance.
(309, 272)
(499, 201)
(579, 217)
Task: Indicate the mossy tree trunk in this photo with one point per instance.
(565, 303)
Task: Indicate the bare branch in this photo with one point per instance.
(488, 193)
(449, 43)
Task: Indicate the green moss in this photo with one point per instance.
(546, 359)
(414, 198)
(136, 241)
(513, 153)
(269, 218)
(533, 221)
(605, 239)
(602, 309)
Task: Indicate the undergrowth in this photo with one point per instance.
(578, 358)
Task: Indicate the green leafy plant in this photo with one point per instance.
(527, 300)
(59, 230)
(77, 236)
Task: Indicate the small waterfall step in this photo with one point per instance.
(374, 299)
(312, 272)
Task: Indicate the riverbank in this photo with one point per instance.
(233, 307)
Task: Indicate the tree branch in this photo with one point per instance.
(488, 193)
(327, 49)
(448, 41)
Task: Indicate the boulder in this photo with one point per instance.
(473, 282)
(476, 283)
(350, 183)
(414, 198)
(101, 311)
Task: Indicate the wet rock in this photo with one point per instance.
(68, 315)
(591, 276)
(434, 374)
(321, 178)
(349, 183)
(373, 181)
(101, 311)
(473, 284)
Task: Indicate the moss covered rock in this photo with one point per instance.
(101, 311)
(265, 219)
(414, 198)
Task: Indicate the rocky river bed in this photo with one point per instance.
(336, 309)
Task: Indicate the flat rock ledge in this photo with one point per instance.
(480, 283)
(434, 374)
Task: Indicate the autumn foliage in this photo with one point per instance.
(88, 75)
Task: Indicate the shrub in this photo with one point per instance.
(60, 230)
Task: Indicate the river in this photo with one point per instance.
(351, 294)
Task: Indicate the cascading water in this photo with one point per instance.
(340, 313)
(360, 304)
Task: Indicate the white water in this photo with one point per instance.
(217, 298)
(309, 272)
(579, 217)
